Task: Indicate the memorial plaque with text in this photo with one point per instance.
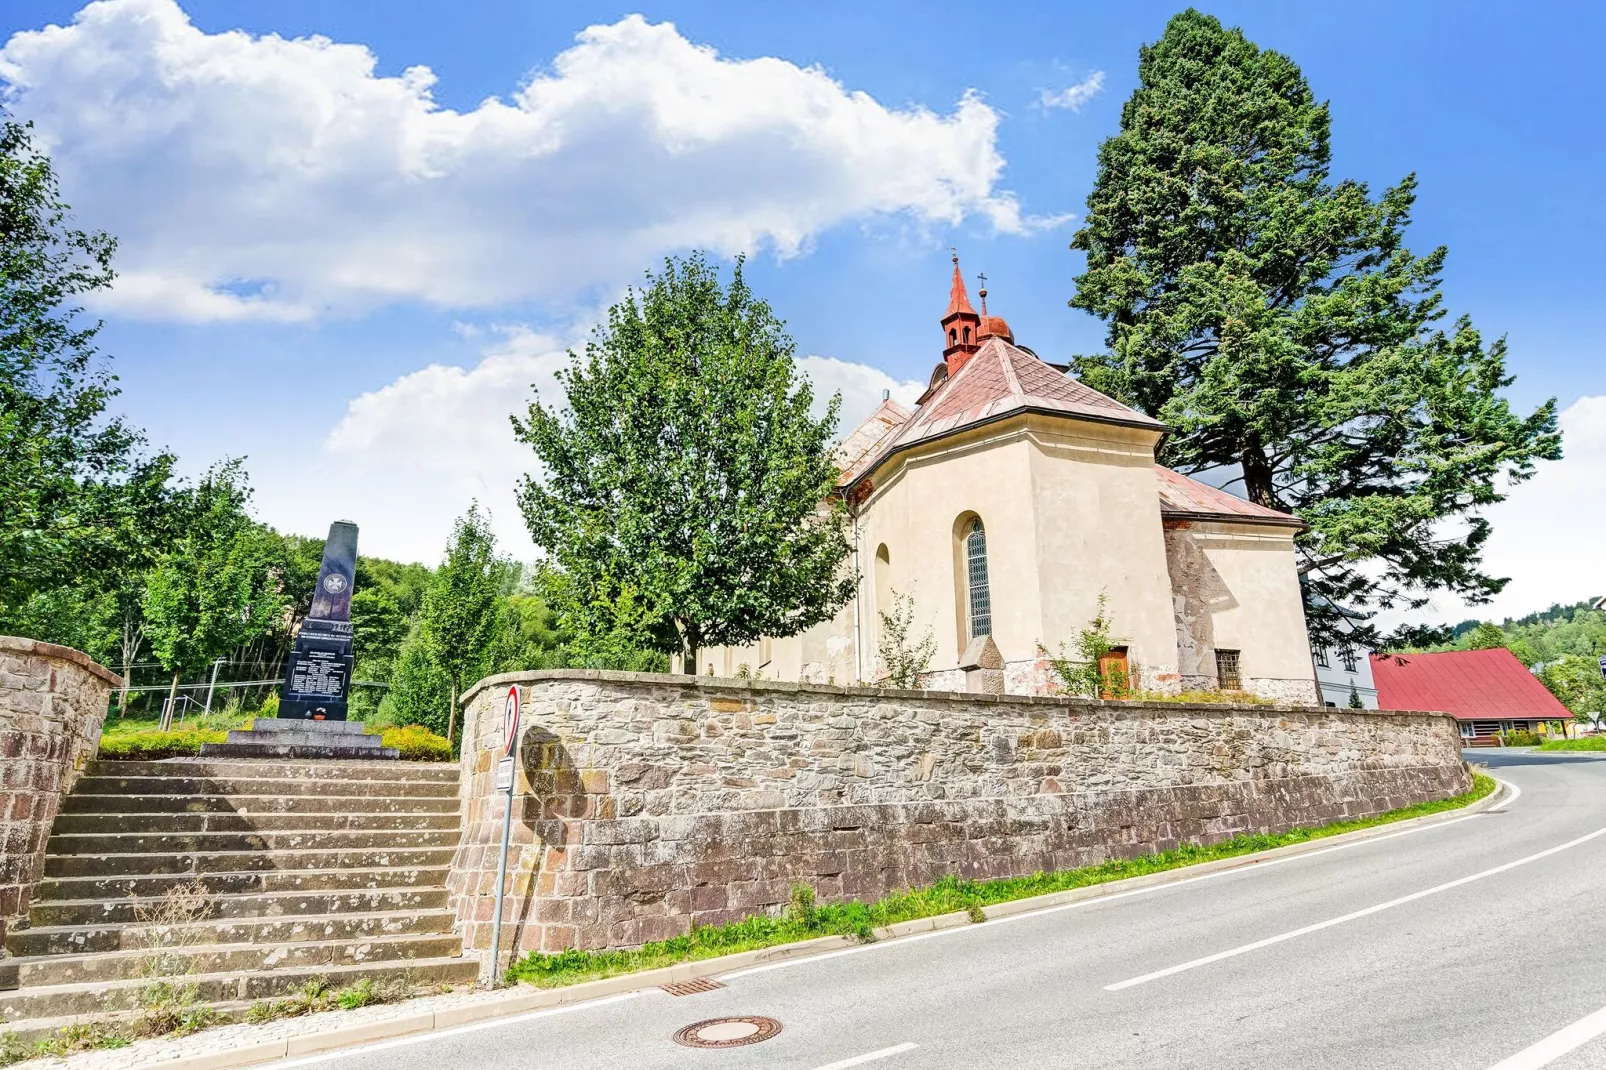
(318, 673)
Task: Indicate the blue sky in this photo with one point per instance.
(296, 290)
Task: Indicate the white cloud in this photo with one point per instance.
(1073, 97)
(861, 387)
(1549, 535)
(271, 178)
(415, 452)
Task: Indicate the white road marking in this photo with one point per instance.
(1557, 1044)
(1098, 900)
(437, 1034)
(870, 1057)
(1352, 916)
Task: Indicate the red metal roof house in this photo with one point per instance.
(1489, 691)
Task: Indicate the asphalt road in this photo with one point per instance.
(1470, 945)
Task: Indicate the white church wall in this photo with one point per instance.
(1236, 587)
(1097, 517)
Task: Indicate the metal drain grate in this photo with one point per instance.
(692, 987)
(727, 1032)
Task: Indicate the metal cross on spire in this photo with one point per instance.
(981, 276)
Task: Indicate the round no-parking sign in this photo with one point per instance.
(510, 721)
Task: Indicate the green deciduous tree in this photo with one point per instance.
(687, 475)
(460, 617)
(1277, 322)
(1485, 636)
(219, 584)
(78, 500)
(1576, 680)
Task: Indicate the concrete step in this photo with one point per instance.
(204, 842)
(100, 997)
(38, 970)
(126, 911)
(249, 748)
(218, 821)
(234, 768)
(269, 930)
(235, 786)
(110, 865)
(76, 803)
(303, 880)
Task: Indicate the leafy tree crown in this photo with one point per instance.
(687, 478)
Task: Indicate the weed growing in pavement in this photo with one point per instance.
(948, 895)
(67, 1041)
(316, 995)
(13, 1049)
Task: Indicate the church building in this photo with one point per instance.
(1006, 503)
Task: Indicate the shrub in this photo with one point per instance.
(1523, 739)
(417, 744)
(1088, 673)
(270, 706)
(152, 744)
(903, 657)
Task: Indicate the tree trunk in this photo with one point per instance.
(451, 715)
(1257, 477)
(689, 647)
(172, 697)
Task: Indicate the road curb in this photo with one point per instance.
(526, 999)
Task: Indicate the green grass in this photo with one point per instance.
(1583, 743)
(804, 920)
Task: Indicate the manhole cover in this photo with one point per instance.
(727, 1032)
(692, 987)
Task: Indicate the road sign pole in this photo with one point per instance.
(507, 776)
(501, 879)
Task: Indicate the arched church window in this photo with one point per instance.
(967, 335)
(953, 336)
(980, 598)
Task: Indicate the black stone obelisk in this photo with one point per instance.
(318, 675)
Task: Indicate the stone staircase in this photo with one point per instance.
(282, 871)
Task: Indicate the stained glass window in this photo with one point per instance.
(981, 604)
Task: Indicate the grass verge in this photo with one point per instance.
(169, 1011)
(1582, 743)
(802, 919)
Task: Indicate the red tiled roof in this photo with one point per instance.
(1484, 685)
(1000, 380)
(1182, 497)
(855, 452)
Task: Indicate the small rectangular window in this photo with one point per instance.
(1321, 657)
(1227, 674)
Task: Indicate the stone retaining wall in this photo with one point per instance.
(52, 705)
(649, 803)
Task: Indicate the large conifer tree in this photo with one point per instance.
(1277, 322)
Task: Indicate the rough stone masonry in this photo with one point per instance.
(650, 803)
(52, 706)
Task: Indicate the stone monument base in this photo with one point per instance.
(295, 738)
